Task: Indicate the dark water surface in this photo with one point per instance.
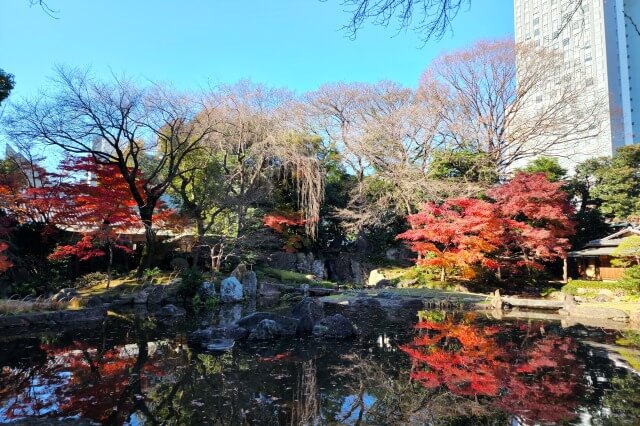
(458, 368)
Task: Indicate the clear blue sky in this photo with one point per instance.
(294, 43)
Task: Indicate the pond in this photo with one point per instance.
(460, 368)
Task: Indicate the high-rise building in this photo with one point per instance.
(599, 41)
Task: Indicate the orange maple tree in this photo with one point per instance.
(461, 232)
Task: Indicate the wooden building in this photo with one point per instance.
(593, 262)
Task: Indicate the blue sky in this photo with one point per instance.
(294, 43)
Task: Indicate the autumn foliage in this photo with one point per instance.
(527, 221)
(290, 225)
(526, 372)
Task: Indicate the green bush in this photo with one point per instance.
(90, 279)
(198, 303)
(149, 274)
(291, 277)
(593, 286)
(426, 277)
(631, 278)
(191, 280)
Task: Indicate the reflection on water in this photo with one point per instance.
(458, 368)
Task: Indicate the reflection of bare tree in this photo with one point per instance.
(396, 399)
(132, 393)
(305, 407)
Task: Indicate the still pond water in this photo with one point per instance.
(453, 369)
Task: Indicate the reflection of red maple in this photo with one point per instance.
(535, 381)
(84, 382)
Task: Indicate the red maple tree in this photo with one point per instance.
(539, 216)
(289, 224)
(528, 219)
(460, 233)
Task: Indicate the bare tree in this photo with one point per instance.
(146, 132)
(427, 18)
(259, 146)
(385, 136)
(487, 104)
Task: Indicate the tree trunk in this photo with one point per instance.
(110, 263)
(150, 241)
(443, 274)
(199, 248)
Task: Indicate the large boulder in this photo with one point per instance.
(375, 276)
(367, 313)
(318, 269)
(240, 272)
(287, 326)
(282, 260)
(334, 327)
(149, 295)
(230, 314)
(269, 290)
(231, 290)
(250, 284)
(304, 262)
(358, 272)
(93, 302)
(309, 312)
(596, 312)
(154, 295)
(265, 330)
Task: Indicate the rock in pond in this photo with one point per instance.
(334, 327)
(265, 330)
(231, 290)
(220, 345)
(287, 326)
(171, 311)
(201, 338)
(230, 314)
(309, 312)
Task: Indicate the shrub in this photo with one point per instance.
(209, 303)
(90, 279)
(149, 274)
(593, 286)
(191, 280)
(631, 278)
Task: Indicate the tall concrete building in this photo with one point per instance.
(599, 41)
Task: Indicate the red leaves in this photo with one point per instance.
(459, 233)
(5, 263)
(530, 217)
(289, 224)
(535, 379)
